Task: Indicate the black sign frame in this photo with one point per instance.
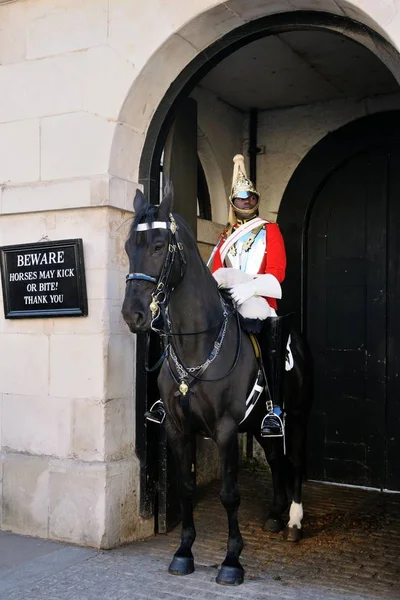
(77, 308)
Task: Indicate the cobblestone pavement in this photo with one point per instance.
(350, 551)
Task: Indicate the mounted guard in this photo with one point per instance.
(249, 260)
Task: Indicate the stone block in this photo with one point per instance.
(297, 130)
(154, 80)
(39, 88)
(392, 33)
(17, 326)
(117, 323)
(12, 32)
(210, 26)
(122, 193)
(329, 6)
(1, 437)
(24, 367)
(88, 430)
(25, 494)
(108, 78)
(123, 523)
(92, 227)
(272, 178)
(118, 226)
(376, 15)
(99, 191)
(138, 45)
(77, 502)
(257, 8)
(20, 228)
(179, 14)
(119, 428)
(96, 282)
(75, 145)
(120, 365)
(127, 148)
(57, 26)
(38, 425)
(208, 231)
(19, 151)
(77, 366)
(96, 322)
(46, 196)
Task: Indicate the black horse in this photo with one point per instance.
(208, 371)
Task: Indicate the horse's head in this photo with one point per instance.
(154, 267)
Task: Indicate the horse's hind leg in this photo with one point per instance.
(182, 448)
(231, 572)
(273, 449)
(296, 460)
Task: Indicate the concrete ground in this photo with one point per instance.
(350, 551)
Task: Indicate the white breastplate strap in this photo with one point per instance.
(237, 234)
(253, 396)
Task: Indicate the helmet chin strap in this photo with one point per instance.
(245, 212)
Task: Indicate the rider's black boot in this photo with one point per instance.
(156, 414)
(273, 341)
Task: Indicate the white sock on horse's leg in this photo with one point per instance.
(295, 514)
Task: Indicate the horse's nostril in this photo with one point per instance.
(134, 320)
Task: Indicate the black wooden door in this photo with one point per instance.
(353, 291)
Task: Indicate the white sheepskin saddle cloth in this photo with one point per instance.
(253, 308)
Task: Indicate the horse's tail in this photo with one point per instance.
(302, 371)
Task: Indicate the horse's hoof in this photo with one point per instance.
(273, 525)
(181, 565)
(293, 534)
(230, 575)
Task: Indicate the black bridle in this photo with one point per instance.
(159, 303)
(160, 296)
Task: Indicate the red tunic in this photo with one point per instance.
(274, 261)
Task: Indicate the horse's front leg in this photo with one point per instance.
(182, 448)
(231, 572)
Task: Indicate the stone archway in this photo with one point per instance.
(152, 101)
(192, 50)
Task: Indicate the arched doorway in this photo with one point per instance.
(293, 226)
(344, 198)
(227, 45)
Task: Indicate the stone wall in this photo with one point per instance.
(67, 423)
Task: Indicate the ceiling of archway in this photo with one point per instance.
(297, 68)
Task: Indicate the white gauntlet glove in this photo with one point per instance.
(242, 292)
(262, 285)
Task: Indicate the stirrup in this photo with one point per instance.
(156, 414)
(272, 424)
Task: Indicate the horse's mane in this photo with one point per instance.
(184, 226)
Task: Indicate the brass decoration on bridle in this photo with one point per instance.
(183, 388)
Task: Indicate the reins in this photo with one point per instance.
(159, 308)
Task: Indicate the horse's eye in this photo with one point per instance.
(158, 247)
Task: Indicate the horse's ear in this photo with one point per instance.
(167, 202)
(139, 202)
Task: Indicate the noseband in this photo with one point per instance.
(161, 292)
